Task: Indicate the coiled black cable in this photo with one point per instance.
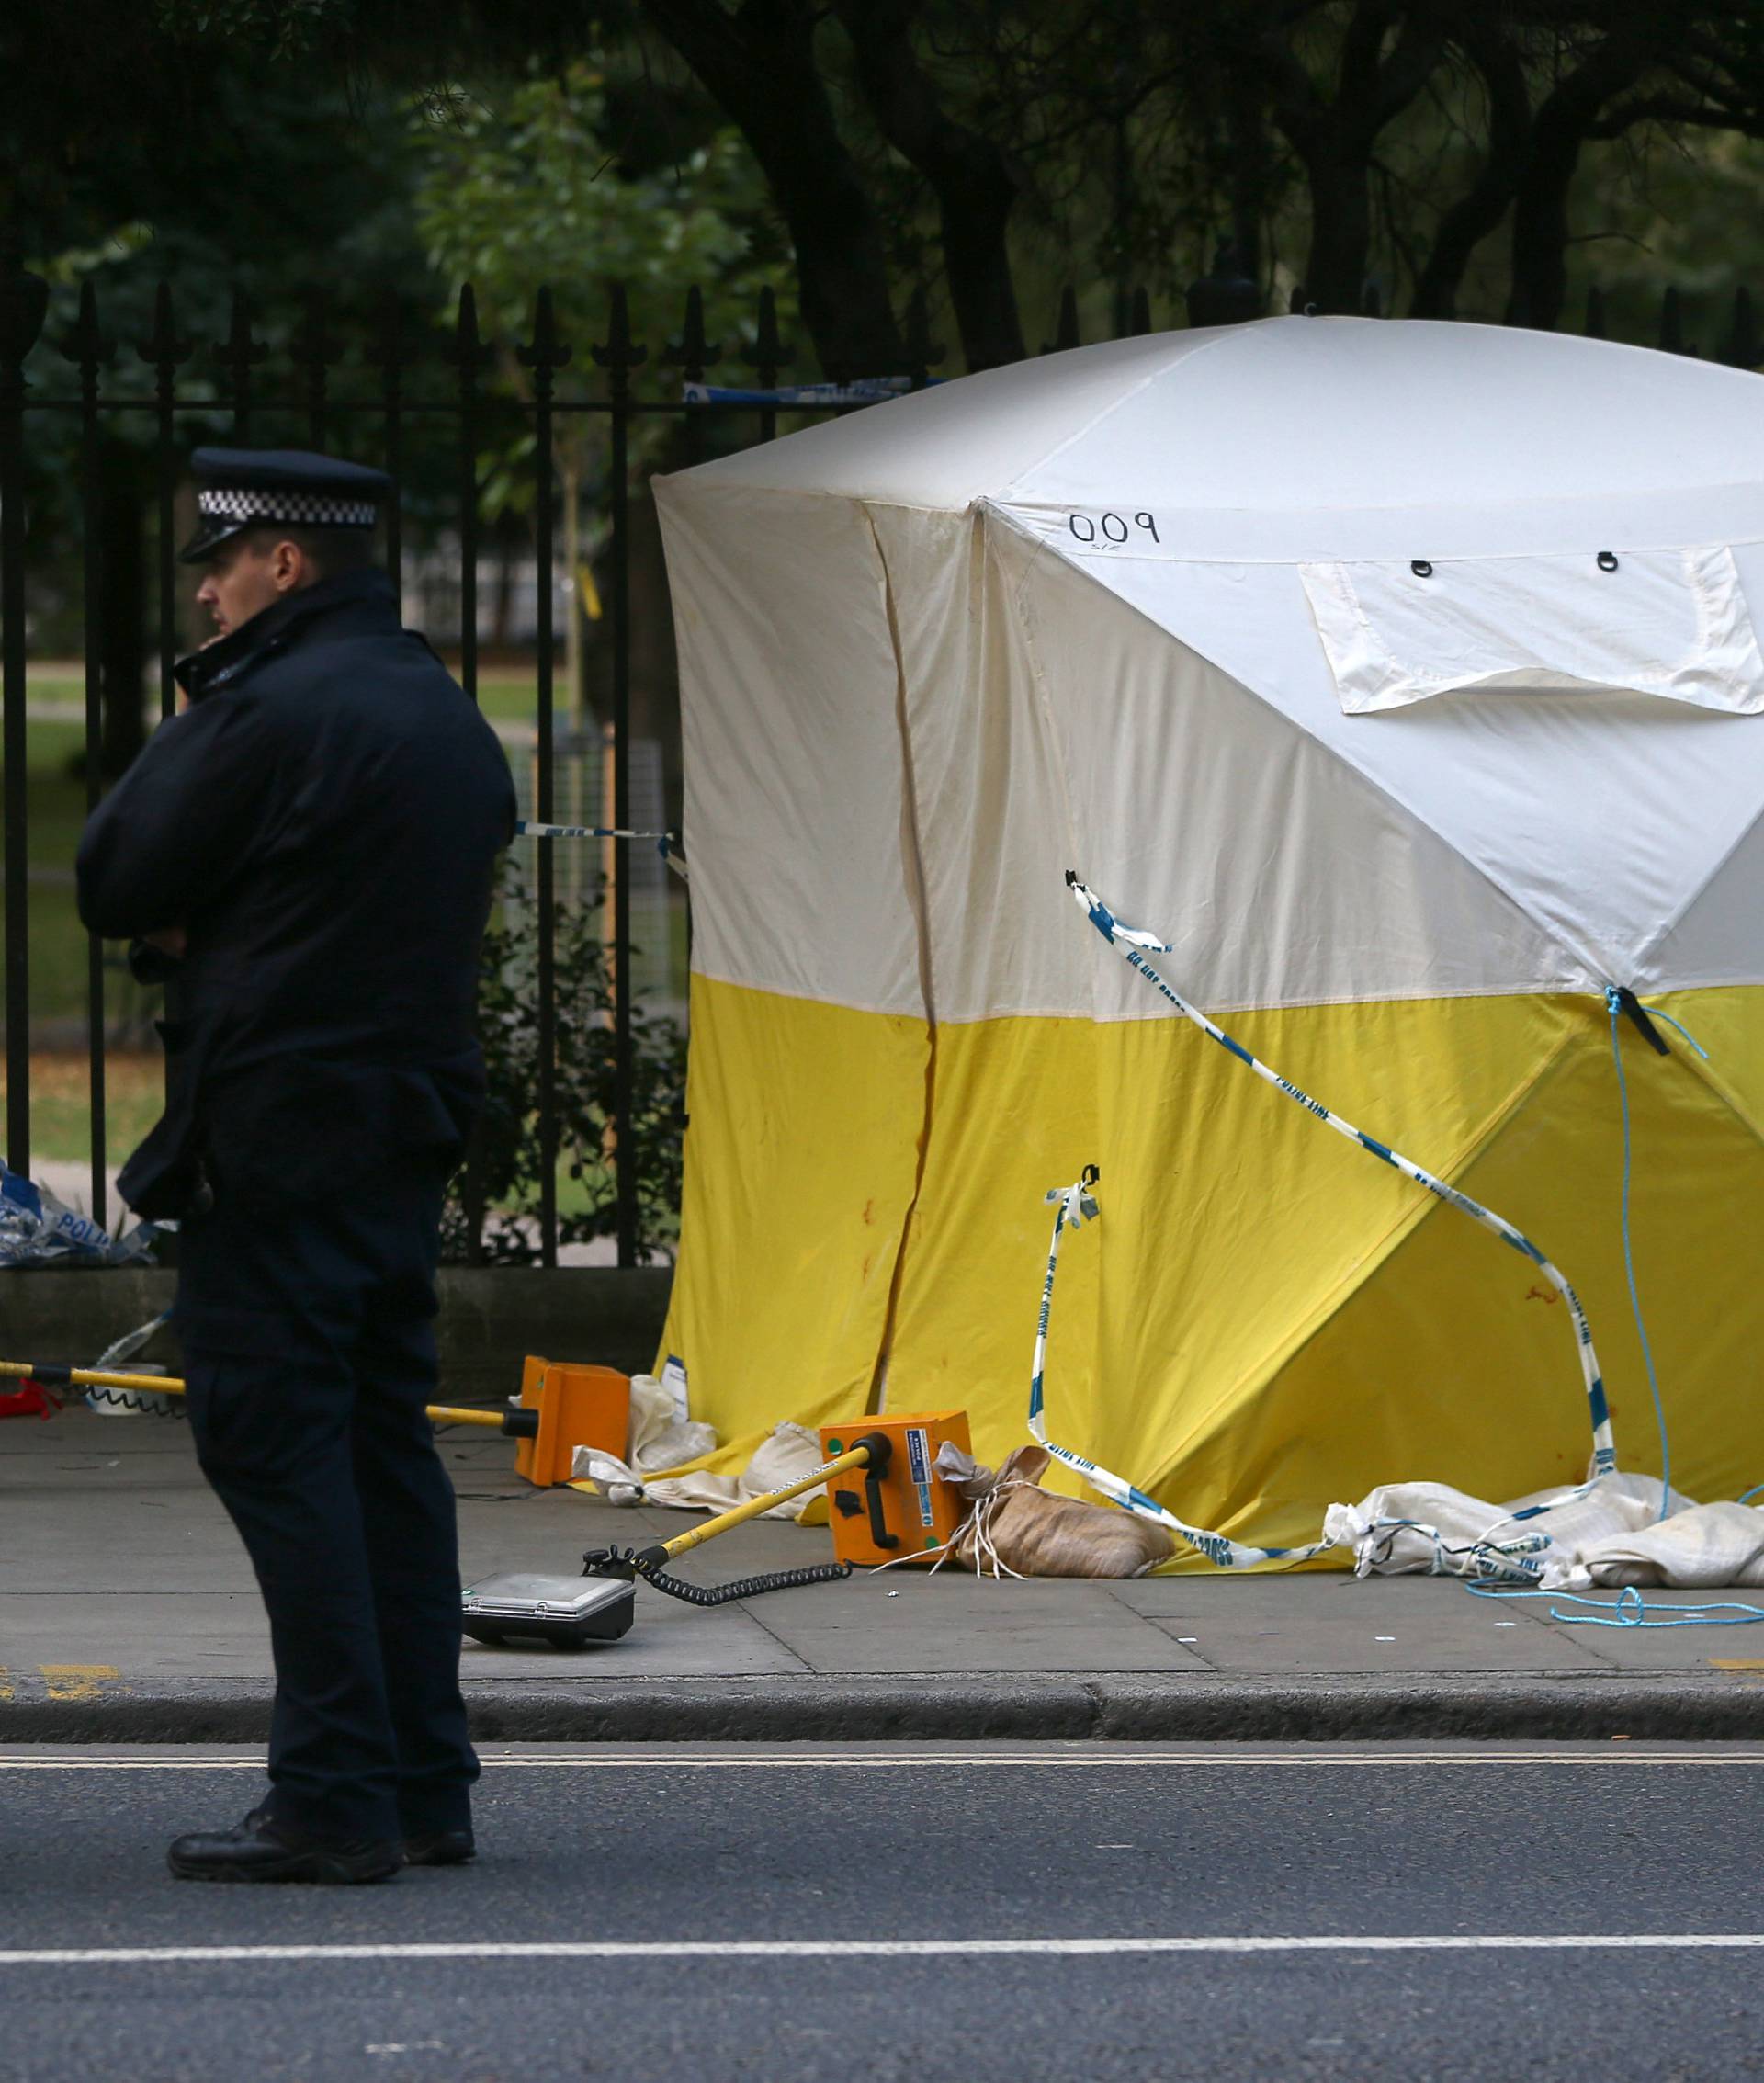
(743, 1586)
(135, 1400)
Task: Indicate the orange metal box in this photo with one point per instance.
(577, 1406)
(919, 1509)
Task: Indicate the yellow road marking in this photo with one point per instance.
(6, 1683)
(75, 1681)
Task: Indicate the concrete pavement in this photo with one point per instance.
(1104, 1912)
(128, 1614)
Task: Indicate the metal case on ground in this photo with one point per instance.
(567, 1612)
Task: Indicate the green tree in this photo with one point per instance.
(521, 187)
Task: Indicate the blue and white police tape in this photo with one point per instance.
(1136, 945)
(667, 844)
(1075, 1205)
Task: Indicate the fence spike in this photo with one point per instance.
(239, 352)
(1065, 333)
(621, 352)
(545, 353)
(24, 304)
(1595, 326)
(691, 352)
(1139, 316)
(1372, 300)
(313, 350)
(164, 348)
(1672, 323)
(87, 344)
(1742, 350)
(766, 355)
(466, 351)
(923, 353)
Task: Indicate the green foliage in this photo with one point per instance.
(494, 1200)
(527, 187)
(272, 28)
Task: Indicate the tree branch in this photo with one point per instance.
(974, 185)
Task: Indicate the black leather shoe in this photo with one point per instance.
(261, 1849)
(439, 1848)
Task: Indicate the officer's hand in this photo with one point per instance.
(172, 940)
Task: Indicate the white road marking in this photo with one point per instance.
(884, 1949)
(812, 1761)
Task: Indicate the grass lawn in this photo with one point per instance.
(61, 1115)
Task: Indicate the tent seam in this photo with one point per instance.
(1224, 336)
(1671, 925)
(920, 902)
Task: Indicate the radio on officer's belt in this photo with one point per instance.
(902, 1511)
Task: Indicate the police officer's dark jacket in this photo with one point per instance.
(323, 821)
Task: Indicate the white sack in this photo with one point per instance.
(1702, 1549)
(791, 1453)
(1609, 1533)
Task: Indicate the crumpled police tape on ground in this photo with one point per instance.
(36, 1228)
(1613, 1530)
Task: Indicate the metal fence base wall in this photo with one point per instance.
(490, 1317)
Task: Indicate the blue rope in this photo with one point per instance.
(1750, 1493)
(1614, 1005)
(1629, 1609)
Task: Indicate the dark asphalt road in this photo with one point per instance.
(1070, 1842)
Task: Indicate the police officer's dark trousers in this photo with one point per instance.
(307, 1332)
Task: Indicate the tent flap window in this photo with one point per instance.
(1668, 622)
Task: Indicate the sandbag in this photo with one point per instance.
(1017, 1529)
(1702, 1549)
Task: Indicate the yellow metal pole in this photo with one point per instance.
(858, 1457)
(170, 1385)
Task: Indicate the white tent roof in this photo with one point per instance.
(1264, 420)
(1373, 658)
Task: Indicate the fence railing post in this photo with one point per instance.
(390, 351)
(313, 353)
(238, 354)
(545, 355)
(1065, 332)
(87, 348)
(923, 353)
(469, 357)
(766, 357)
(618, 358)
(690, 354)
(164, 351)
(24, 298)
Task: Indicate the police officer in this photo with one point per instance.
(307, 851)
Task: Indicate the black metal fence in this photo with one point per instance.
(70, 393)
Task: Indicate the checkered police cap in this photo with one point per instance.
(245, 488)
(308, 508)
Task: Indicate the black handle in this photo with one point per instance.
(1638, 1013)
(881, 1452)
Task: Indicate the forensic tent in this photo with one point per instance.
(1403, 677)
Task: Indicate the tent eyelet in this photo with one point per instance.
(1421, 568)
(1606, 559)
